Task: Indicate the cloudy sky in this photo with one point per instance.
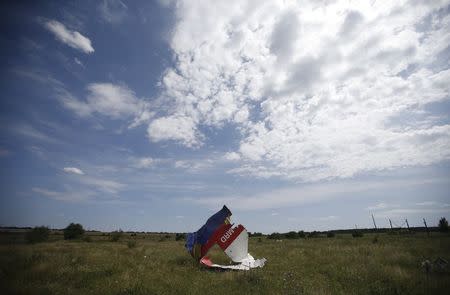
(297, 115)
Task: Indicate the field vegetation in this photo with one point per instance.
(139, 263)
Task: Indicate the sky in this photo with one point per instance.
(152, 115)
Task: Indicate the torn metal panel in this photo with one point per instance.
(232, 240)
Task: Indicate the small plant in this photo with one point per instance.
(375, 240)
(73, 231)
(87, 239)
(357, 234)
(180, 237)
(37, 235)
(131, 244)
(443, 225)
(116, 235)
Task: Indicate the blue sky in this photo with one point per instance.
(150, 116)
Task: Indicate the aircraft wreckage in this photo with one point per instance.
(233, 240)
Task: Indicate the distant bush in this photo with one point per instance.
(275, 236)
(87, 239)
(301, 234)
(116, 235)
(291, 235)
(314, 234)
(73, 231)
(375, 240)
(330, 234)
(180, 237)
(357, 234)
(37, 234)
(443, 225)
(255, 234)
(131, 244)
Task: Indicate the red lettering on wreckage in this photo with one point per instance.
(229, 236)
(224, 236)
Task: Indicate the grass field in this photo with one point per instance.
(339, 265)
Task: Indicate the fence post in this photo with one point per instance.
(424, 222)
(374, 224)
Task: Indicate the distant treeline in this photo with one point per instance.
(290, 234)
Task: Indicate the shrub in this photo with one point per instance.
(131, 244)
(73, 231)
(330, 234)
(357, 234)
(313, 234)
(87, 239)
(301, 234)
(180, 237)
(291, 235)
(37, 234)
(116, 235)
(443, 225)
(274, 236)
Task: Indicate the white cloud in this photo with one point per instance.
(405, 212)
(78, 62)
(181, 129)
(381, 206)
(71, 38)
(28, 130)
(232, 156)
(316, 93)
(110, 100)
(309, 193)
(328, 218)
(103, 185)
(67, 196)
(428, 203)
(144, 162)
(113, 11)
(73, 170)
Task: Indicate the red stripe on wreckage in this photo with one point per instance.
(229, 236)
(215, 238)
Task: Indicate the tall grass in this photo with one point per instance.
(342, 265)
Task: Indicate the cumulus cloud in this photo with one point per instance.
(73, 170)
(71, 38)
(232, 156)
(110, 100)
(315, 93)
(178, 128)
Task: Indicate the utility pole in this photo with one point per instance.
(390, 222)
(374, 224)
(424, 222)
(407, 224)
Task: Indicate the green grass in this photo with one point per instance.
(340, 265)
